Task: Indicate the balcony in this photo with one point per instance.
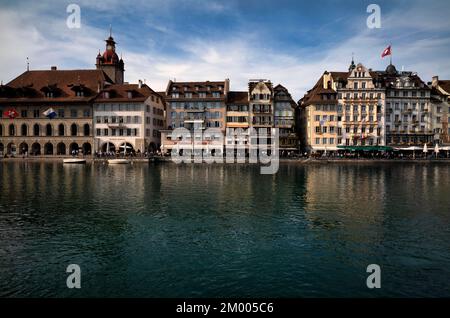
(193, 110)
(117, 126)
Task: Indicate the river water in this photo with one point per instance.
(166, 230)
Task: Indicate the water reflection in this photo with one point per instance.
(166, 230)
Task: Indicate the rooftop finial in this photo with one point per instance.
(352, 64)
(28, 64)
(110, 30)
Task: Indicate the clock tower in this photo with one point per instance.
(110, 63)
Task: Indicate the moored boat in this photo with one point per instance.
(74, 161)
(119, 161)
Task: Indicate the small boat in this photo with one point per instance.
(74, 161)
(119, 161)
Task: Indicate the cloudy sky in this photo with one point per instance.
(288, 42)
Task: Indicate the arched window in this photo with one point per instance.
(12, 130)
(1, 130)
(87, 130)
(73, 130)
(61, 129)
(24, 130)
(48, 130)
(36, 130)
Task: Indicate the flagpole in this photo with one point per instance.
(391, 53)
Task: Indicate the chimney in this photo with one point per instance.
(140, 84)
(53, 68)
(435, 81)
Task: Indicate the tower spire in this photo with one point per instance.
(352, 64)
(110, 31)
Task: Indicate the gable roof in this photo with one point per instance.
(119, 93)
(240, 98)
(32, 86)
(445, 85)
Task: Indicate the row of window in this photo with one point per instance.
(127, 120)
(48, 130)
(118, 119)
(128, 108)
(197, 88)
(237, 108)
(198, 95)
(407, 106)
(37, 113)
(130, 132)
(195, 105)
(284, 122)
(363, 95)
(261, 96)
(192, 116)
(332, 118)
(406, 129)
(217, 124)
(237, 119)
(413, 93)
(262, 109)
(355, 130)
(347, 141)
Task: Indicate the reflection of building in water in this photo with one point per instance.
(345, 196)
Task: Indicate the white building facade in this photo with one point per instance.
(128, 117)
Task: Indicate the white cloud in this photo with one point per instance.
(239, 56)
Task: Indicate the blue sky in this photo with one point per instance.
(289, 42)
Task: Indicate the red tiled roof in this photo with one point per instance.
(314, 96)
(445, 85)
(238, 98)
(31, 86)
(119, 93)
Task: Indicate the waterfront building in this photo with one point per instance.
(49, 112)
(318, 114)
(128, 116)
(440, 92)
(194, 106)
(260, 93)
(238, 121)
(360, 108)
(370, 110)
(409, 118)
(69, 93)
(284, 120)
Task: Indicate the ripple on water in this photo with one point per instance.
(210, 231)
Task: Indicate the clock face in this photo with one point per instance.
(109, 47)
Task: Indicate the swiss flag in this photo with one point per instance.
(11, 113)
(386, 52)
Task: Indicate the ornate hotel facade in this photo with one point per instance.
(372, 110)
